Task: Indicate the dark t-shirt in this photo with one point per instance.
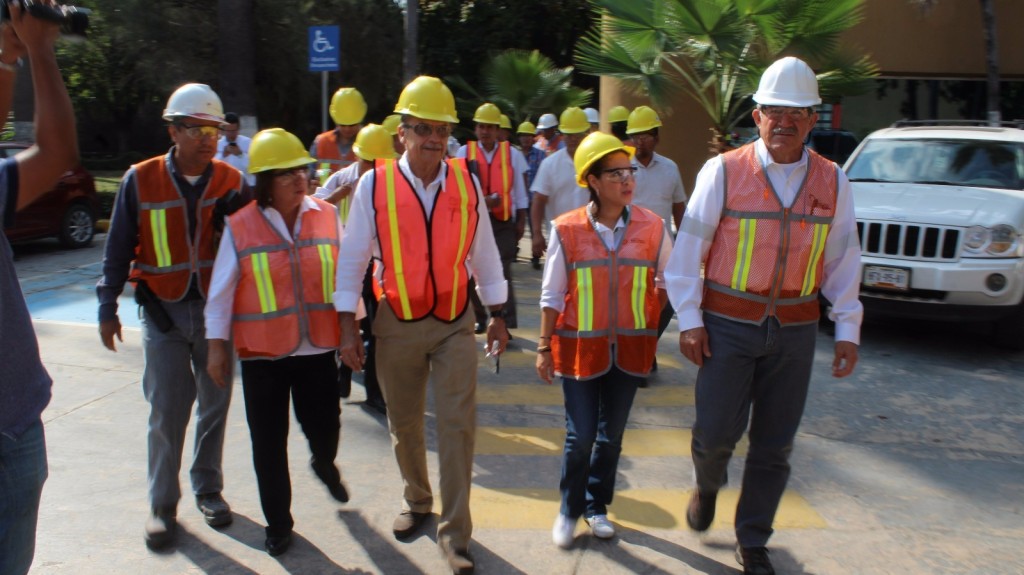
(24, 383)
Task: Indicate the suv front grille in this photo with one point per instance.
(909, 241)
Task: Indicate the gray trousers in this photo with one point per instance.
(757, 374)
(173, 380)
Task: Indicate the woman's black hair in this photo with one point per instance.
(263, 190)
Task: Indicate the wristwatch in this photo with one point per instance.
(498, 313)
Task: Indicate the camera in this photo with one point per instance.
(74, 21)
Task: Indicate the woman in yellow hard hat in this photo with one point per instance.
(602, 293)
(272, 295)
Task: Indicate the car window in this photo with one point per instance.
(955, 162)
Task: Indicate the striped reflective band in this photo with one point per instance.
(396, 248)
(264, 283)
(326, 271)
(324, 172)
(506, 189)
(463, 231)
(744, 253)
(585, 298)
(637, 299)
(158, 223)
(817, 248)
(343, 207)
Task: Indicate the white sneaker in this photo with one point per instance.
(601, 527)
(563, 531)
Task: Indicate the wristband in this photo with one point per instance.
(544, 349)
(498, 313)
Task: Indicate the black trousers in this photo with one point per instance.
(312, 382)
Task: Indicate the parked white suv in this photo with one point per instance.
(940, 212)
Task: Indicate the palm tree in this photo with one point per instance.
(714, 51)
(524, 84)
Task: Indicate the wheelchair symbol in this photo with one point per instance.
(321, 44)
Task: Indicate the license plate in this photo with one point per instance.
(886, 277)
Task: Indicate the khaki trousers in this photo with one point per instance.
(408, 353)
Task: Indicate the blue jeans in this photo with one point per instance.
(758, 373)
(173, 380)
(22, 473)
(596, 411)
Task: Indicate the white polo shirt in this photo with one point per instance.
(658, 186)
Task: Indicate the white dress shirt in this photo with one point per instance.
(347, 176)
(241, 163)
(520, 201)
(556, 283)
(841, 281)
(361, 242)
(658, 187)
(556, 179)
(220, 302)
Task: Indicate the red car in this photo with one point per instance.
(67, 212)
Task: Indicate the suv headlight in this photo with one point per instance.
(998, 241)
(1004, 242)
(976, 238)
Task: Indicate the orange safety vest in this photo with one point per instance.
(610, 301)
(424, 262)
(766, 259)
(495, 177)
(166, 257)
(285, 290)
(329, 160)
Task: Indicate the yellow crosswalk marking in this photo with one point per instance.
(543, 394)
(634, 508)
(549, 441)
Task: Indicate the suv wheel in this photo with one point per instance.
(1009, 331)
(77, 227)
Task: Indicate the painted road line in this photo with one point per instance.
(549, 441)
(543, 394)
(634, 508)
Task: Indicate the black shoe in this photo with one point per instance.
(161, 528)
(377, 405)
(654, 365)
(481, 326)
(215, 510)
(327, 472)
(535, 262)
(407, 523)
(701, 511)
(278, 545)
(754, 560)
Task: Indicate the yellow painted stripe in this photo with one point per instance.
(817, 249)
(161, 248)
(396, 247)
(585, 303)
(326, 271)
(640, 509)
(744, 253)
(264, 283)
(458, 266)
(542, 394)
(549, 441)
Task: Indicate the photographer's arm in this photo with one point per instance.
(11, 50)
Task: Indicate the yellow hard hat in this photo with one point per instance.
(487, 114)
(391, 124)
(505, 122)
(641, 119)
(594, 147)
(573, 121)
(348, 107)
(373, 142)
(276, 149)
(526, 127)
(427, 98)
(618, 114)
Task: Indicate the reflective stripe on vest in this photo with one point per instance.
(424, 261)
(491, 182)
(345, 204)
(766, 259)
(610, 303)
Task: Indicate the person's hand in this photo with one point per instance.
(10, 45)
(845, 359)
(232, 149)
(351, 350)
(538, 246)
(545, 366)
(492, 200)
(218, 362)
(34, 33)
(693, 343)
(497, 332)
(108, 329)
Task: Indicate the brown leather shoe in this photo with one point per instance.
(701, 511)
(407, 523)
(460, 561)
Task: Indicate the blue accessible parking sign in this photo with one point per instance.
(324, 51)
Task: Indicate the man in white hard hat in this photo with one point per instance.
(423, 220)
(163, 237)
(549, 140)
(594, 117)
(500, 169)
(773, 225)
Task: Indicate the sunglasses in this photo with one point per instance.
(290, 172)
(620, 175)
(425, 130)
(777, 112)
(200, 132)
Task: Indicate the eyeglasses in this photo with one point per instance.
(200, 132)
(777, 112)
(425, 130)
(644, 137)
(290, 172)
(620, 175)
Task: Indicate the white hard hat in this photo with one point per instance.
(592, 116)
(197, 101)
(788, 82)
(547, 121)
